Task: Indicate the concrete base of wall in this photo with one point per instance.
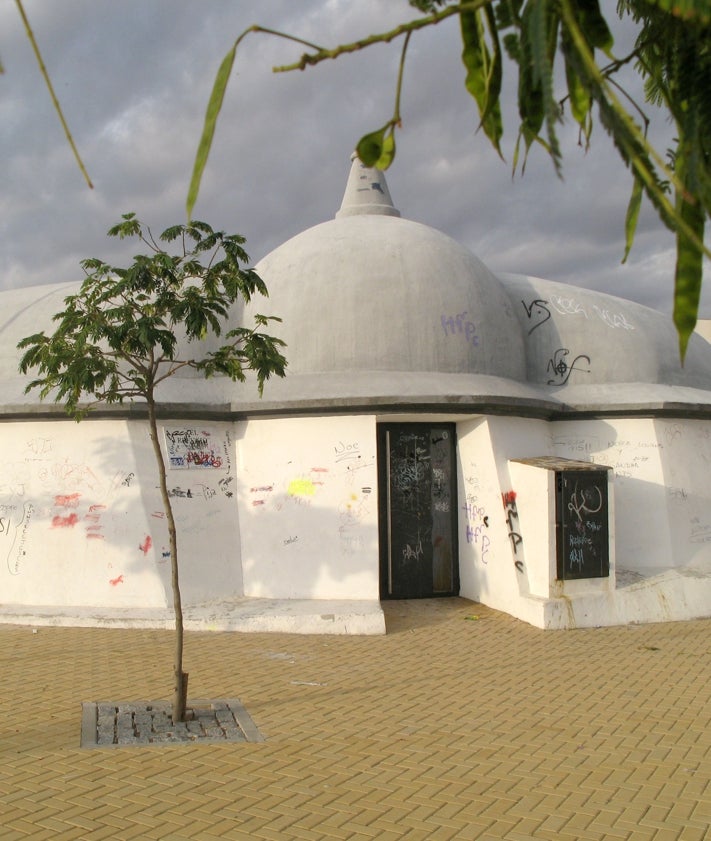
(668, 596)
(286, 616)
(672, 595)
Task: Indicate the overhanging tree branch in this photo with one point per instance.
(50, 88)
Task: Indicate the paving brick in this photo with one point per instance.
(443, 729)
(690, 833)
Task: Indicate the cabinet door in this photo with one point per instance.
(581, 524)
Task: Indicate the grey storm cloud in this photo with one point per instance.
(134, 79)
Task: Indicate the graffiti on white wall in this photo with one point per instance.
(289, 486)
(509, 502)
(14, 522)
(193, 448)
(476, 518)
(81, 515)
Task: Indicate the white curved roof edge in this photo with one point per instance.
(373, 391)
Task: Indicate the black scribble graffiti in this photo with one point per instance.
(224, 485)
(179, 492)
(541, 309)
(509, 501)
(561, 370)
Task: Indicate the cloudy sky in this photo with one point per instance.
(134, 78)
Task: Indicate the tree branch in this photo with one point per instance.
(322, 54)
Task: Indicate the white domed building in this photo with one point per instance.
(442, 430)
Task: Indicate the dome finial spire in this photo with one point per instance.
(366, 192)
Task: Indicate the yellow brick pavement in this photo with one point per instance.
(447, 728)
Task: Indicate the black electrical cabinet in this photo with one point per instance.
(582, 535)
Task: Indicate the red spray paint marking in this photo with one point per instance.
(94, 536)
(96, 507)
(258, 502)
(114, 581)
(508, 498)
(64, 522)
(146, 545)
(67, 500)
(319, 469)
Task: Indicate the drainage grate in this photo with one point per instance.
(110, 724)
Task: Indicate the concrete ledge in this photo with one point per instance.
(673, 595)
(285, 616)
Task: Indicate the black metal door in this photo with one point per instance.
(418, 533)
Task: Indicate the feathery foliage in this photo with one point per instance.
(117, 340)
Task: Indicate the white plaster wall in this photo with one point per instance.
(308, 507)
(536, 513)
(493, 568)
(686, 471)
(630, 447)
(660, 524)
(508, 562)
(82, 522)
(662, 488)
(480, 536)
(513, 438)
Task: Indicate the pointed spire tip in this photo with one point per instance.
(366, 192)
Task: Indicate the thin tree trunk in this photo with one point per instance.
(180, 686)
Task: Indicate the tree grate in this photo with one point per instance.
(143, 723)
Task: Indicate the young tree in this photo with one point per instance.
(116, 341)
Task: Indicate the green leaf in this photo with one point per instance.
(578, 96)
(172, 233)
(484, 72)
(535, 80)
(594, 25)
(130, 227)
(632, 216)
(388, 153)
(214, 106)
(543, 24)
(689, 264)
(377, 149)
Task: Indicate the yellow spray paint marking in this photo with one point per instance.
(301, 487)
